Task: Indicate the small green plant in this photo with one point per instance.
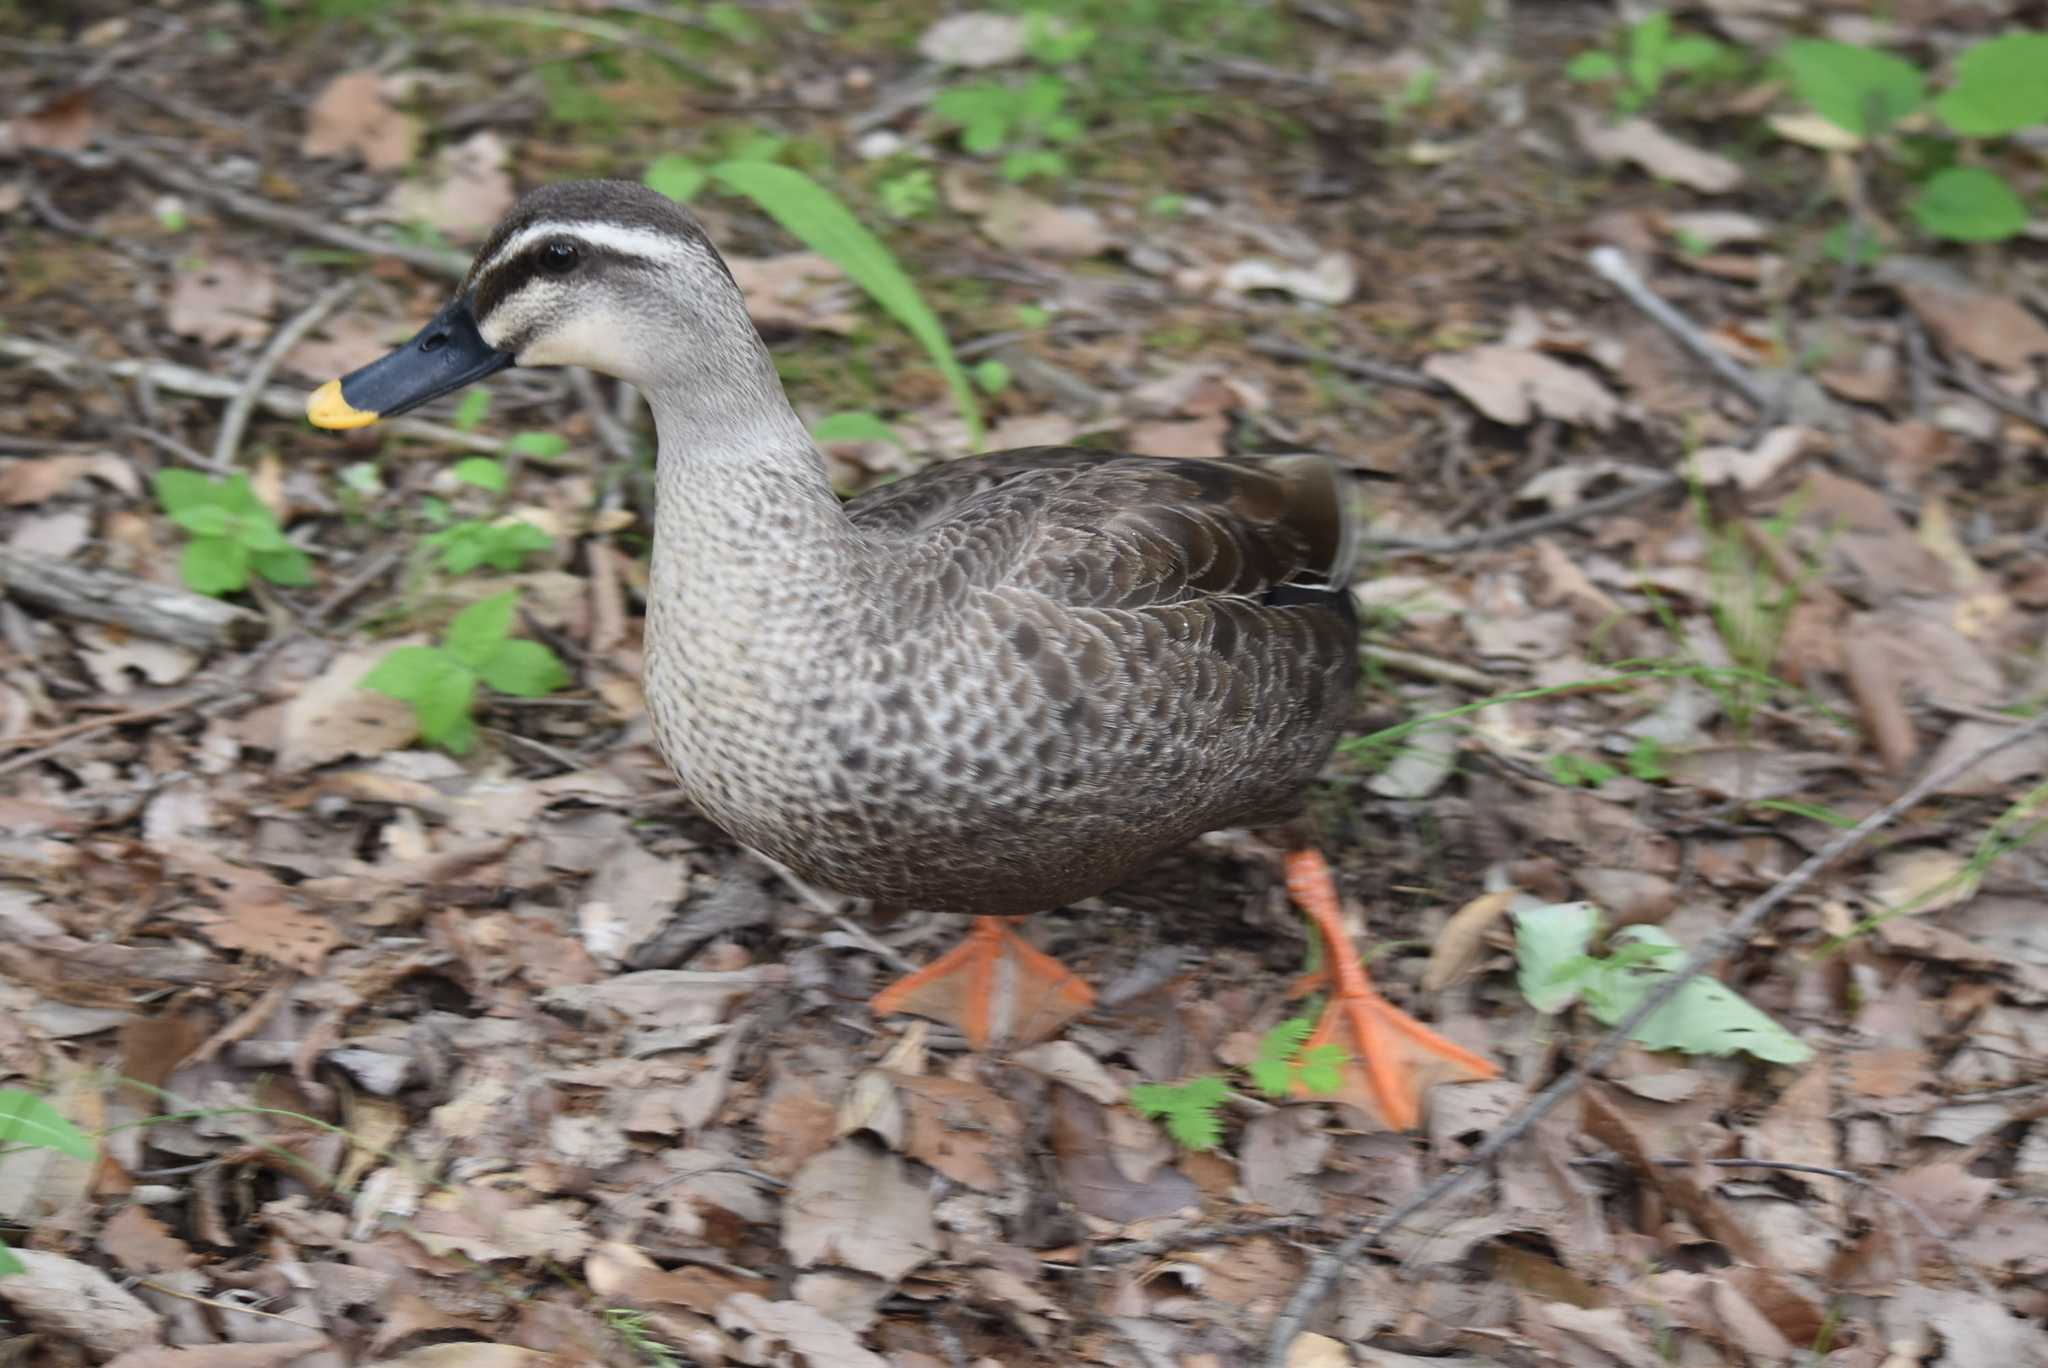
(910, 195)
(1026, 123)
(855, 427)
(631, 1326)
(462, 546)
(1573, 770)
(1557, 968)
(1996, 89)
(441, 681)
(233, 534)
(821, 221)
(1649, 53)
(28, 1121)
(1192, 1110)
(992, 375)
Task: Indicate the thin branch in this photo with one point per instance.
(1628, 497)
(1364, 367)
(1611, 265)
(1329, 1266)
(236, 420)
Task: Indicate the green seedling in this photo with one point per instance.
(1192, 1111)
(1024, 123)
(233, 534)
(911, 195)
(463, 546)
(29, 1122)
(440, 682)
(1650, 53)
(1556, 969)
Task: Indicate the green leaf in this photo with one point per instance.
(677, 177)
(854, 427)
(9, 1264)
(1857, 88)
(1189, 1109)
(1706, 1017)
(204, 520)
(238, 496)
(1692, 53)
(1646, 51)
(474, 635)
(1841, 821)
(2001, 86)
(541, 446)
(444, 708)
(1970, 204)
(525, 669)
(992, 375)
(1550, 951)
(289, 567)
(214, 565)
(1593, 66)
(406, 672)
(815, 216)
(1322, 1069)
(181, 489)
(483, 472)
(26, 1119)
(471, 411)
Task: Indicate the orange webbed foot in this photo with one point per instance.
(1393, 1058)
(994, 987)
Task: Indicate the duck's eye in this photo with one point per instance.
(559, 257)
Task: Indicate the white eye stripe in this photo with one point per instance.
(648, 243)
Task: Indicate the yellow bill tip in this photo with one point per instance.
(325, 408)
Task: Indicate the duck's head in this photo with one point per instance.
(605, 274)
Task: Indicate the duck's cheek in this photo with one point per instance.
(587, 341)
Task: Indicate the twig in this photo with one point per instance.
(1363, 367)
(1329, 1266)
(284, 403)
(1647, 488)
(1611, 264)
(154, 165)
(236, 419)
(1965, 374)
(159, 611)
(1853, 1179)
(1429, 667)
(1221, 1233)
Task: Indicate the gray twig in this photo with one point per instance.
(236, 420)
(1329, 1266)
(1611, 264)
(1364, 367)
(1627, 497)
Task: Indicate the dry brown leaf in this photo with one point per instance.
(1655, 151)
(859, 1207)
(464, 194)
(1867, 666)
(74, 1303)
(66, 124)
(976, 39)
(223, 1355)
(2021, 763)
(222, 299)
(1513, 385)
(1090, 1176)
(473, 1355)
(809, 1333)
(351, 115)
(342, 344)
(1065, 1062)
(1921, 879)
(1317, 1351)
(1198, 438)
(143, 1245)
(1992, 326)
(333, 716)
(1759, 465)
(1331, 279)
(796, 291)
(1022, 222)
(33, 480)
(1458, 945)
(1800, 1129)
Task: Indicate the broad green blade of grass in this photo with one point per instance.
(821, 222)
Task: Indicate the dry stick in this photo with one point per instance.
(236, 420)
(160, 611)
(1364, 367)
(1647, 488)
(277, 400)
(1611, 265)
(1329, 1266)
(155, 165)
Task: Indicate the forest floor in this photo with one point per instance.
(1707, 476)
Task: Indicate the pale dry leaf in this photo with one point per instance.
(632, 896)
(2021, 763)
(35, 479)
(1922, 879)
(221, 299)
(464, 194)
(1716, 227)
(1196, 438)
(1810, 129)
(1657, 152)
(1331, 279)
(975, 39)
(65, 125)
(351, 116)
(796, 291)
(473, 1355)
(343, 343)
(1022, 222)
(117, 660)
(1458, 945)
(859, 1207)
(1868, 667)
(808, 1332)
(1317, 1351)
(56, 536)
(1756, 466)
(224, 1355)
(1513, 385)
(143, 1245)
(74, 1303)
(1063, 1061)
(332, 716)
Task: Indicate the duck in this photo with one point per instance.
(997, 686)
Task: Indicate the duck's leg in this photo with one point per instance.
(993, 986)
(1394, 1057)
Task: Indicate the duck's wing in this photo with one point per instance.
(1097, 530)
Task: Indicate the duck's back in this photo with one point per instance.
(1065, 664)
